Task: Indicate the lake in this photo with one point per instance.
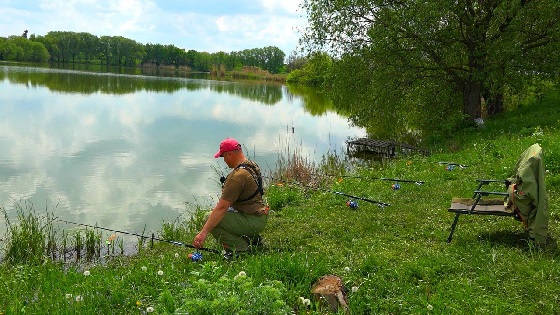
(128, 151)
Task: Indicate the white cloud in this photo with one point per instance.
(145, 21)
(289, 6)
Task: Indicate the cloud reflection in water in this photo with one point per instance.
(133, 157)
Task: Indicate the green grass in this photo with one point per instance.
(397, 256)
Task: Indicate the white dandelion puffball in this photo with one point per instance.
(242, 274)
(149, 309)
(307, 302)
(79, 298)
(302, 299)
(430, 307)
(68, 295)
(144, 268)
(86, 273)
(354, 289)
(176, 255)
(347, 269)
(160, 273)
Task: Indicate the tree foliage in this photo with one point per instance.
(19, 48)
(72, 47)
(315, 72)
(406, 57)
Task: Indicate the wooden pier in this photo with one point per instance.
(381, 148)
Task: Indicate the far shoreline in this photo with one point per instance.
(252, 74)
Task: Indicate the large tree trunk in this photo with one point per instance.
(471, 99)
(495, 104)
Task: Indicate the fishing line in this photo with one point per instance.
(138, 235)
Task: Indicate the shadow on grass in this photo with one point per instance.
(519, 239)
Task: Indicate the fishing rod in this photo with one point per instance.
(138, 235)
(417, 182)
(378, 203)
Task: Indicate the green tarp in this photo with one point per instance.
(528, 193)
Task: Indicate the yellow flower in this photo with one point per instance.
(138, 303)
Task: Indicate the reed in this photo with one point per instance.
(92, 239)
(78, 244)
(293, 165)
(64, 244)
(120, 242)
(26, 237)
(141, 241)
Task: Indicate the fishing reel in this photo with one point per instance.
(352, 204)
(451, 165)
(195, 257)
(396, 186)
(222, 180)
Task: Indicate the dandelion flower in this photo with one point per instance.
(149, 309)
(347, 269)
(79, 298)
(302, 299)
(68, 295)
(144, 268)
(138, 303)
(176, 255)
(306, 302)
(160, 273)
(354, 289)
(430, 307)
(242, 274)
(86, 273)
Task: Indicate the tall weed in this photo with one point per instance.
(28, 239)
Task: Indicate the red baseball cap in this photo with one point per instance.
(228, 144)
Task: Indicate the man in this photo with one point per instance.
(240, 214)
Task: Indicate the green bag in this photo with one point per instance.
(527, 193)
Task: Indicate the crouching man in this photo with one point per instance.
(240, 214)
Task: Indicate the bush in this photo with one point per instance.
(315, 72)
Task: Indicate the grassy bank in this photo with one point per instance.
(395, 257)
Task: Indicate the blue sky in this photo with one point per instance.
(203, 25)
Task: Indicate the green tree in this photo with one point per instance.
(38, 52)
(21, 49)
(315, 72)
(412, 55)
(89, 46)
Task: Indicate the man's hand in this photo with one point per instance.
(199, 240)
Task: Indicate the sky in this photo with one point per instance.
(202, 25)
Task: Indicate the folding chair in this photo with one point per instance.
(525, 199)
(479, 206)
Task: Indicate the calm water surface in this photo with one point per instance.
(128, 151)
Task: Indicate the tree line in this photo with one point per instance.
(73, 47)
(415, 65)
